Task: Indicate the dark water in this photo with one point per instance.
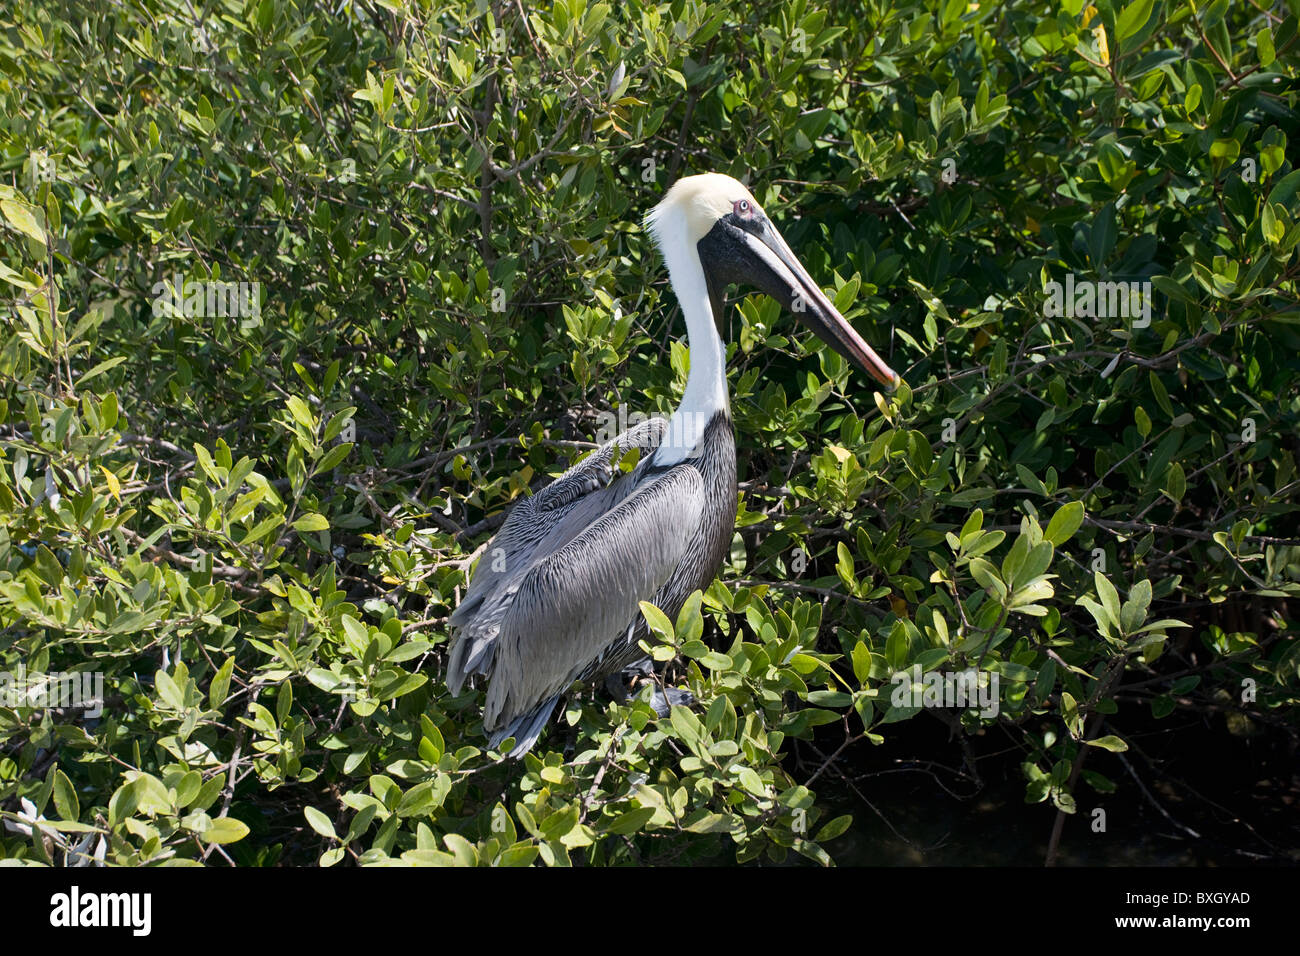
(1229, 799)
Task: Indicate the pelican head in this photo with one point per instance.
(717, 217)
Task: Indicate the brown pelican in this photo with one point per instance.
(555, 597)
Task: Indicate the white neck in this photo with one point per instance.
(706, 384)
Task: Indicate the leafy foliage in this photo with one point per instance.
(254, 525)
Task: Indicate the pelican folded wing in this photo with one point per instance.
(568, 606)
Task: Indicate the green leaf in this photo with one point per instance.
(1264, 47)
(1175, 483)
(225, 830)
(861, 662)
(334, 456)
(631, 821)
(897, 648)
(834, 828)
(690, 623)
(1109, 597)
(168, 690)
(152, 797)
(319, 822)
(123, 803)
(1143, 421)
(311, 522)
(1099, 782)
(399, 685)
(1132, 19)
(102, 367)
(1135, 608)
(686, 725)
(709, 823)
(657, 621)
(829, 698)
(1103, 235)
(23, 218)
(1064, 523)
(301, 412)
(987, 577)
(65, 797)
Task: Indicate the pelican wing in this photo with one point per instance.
(537, 527)
(573, 605)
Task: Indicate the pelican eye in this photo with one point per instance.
(743, 208)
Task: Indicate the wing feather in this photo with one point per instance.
(571, 606)
(537, 527)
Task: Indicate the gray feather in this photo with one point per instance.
(555, 596)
